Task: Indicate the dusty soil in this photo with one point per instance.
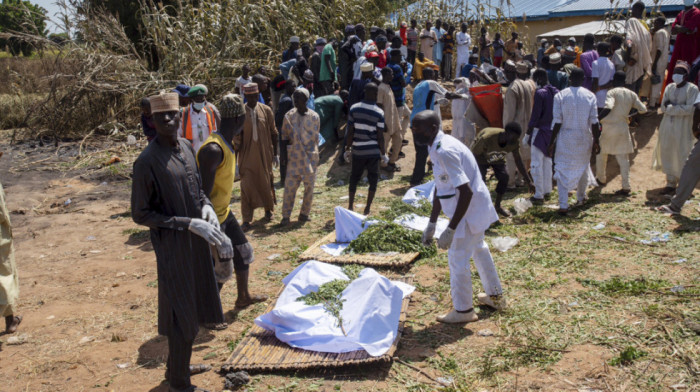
(88, 275)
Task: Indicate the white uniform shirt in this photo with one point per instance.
(199, 123)
(453, 166)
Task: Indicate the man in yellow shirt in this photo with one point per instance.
(217, 165)
(421, 63)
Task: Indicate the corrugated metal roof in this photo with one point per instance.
(544, 9)
(600, 7)
(596, 28)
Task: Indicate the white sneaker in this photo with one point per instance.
(497, 302)
(455, 317)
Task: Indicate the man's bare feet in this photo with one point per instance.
(253, 299)
(11, 323)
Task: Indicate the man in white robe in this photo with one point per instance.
(575, 135)
(464, 43)
(639, 48)
(659, 53)
(462, 128)
(675, 131)
(615, 138)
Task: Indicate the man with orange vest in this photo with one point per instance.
(198, 119)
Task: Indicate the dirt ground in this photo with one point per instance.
(89, 296)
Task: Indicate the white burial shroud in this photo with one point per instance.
(370, 314)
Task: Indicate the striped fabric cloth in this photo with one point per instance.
(368, 120)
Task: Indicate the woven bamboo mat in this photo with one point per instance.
(314, 252)
(260, 350)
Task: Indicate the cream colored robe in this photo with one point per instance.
(675, 131)
(9, 285)
(615, 138)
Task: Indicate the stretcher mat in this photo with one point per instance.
(314, 252)
(260, 350)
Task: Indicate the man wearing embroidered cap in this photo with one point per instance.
(167, 197)
(291, 52)
(199, 118)
(257, 148)
(676, 129)
(300, 131)
(557, 78)
(217, 165)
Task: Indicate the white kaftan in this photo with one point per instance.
(462, 128)
(675, 131)
(464, 43)
(575, 108)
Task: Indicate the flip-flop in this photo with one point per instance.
(9, 329)
(667, 210)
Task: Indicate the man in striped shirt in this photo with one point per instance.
(365, 142)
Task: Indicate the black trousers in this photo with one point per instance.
(358, 167)
(411, 58)
(179, 355)
(421, 160)
(499, 169)
(233, 231)
(283, 158)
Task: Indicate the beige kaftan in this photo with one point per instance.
(9, 285)
(255, 146)
(640, 37)
(517, 107)
(615, 137)
(659, 43)
(675, 131)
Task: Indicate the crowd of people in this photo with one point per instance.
(564, 107)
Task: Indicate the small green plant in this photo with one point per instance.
(618, 286)
(627, 356)
(398, 208)
(390, 237)
(136, 233)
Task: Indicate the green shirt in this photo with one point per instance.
(327, 74)
(487, 150)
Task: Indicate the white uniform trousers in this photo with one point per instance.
(458, 256)
(541, 170)
(601, 162)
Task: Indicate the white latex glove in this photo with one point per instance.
(226, 249)
(428, 234)
(443, 101)
(347, 155)
(276, 161)
(209, 215)
(207, 231)
(385, 159)
(445, 240)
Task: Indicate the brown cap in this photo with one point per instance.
(164, 102)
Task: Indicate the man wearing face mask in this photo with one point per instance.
(167, 197)
(690, 174)
(462, 195)
(217, 163)
(199, 118)
(675, 131)
(300, 131)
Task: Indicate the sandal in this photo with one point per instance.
(666, 209)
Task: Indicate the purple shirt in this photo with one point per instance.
(587, 60)
(541, 117)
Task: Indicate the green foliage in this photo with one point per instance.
(618, 286)
(390, 237)
(21, 17)
(329, 294)
(398, 208)
(627, 356)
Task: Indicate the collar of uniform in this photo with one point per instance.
(437, 142)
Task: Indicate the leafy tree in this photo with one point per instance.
(21, 16)
(59, 38)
